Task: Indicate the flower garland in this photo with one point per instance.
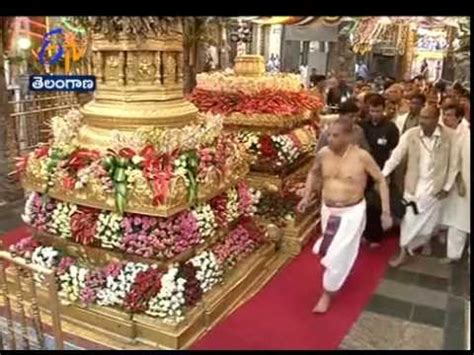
(276, 102)
(65, 128)
(168, 304)
(281, 150)
(240, 242)
(72, 281)
(24, 248)
(147, 236)
(84, 225)
(147, 284)
(45, 256)
(143, 288)
(60, 223)
(120, 278)
(94, 281)
(228, 82)
(248, 199)
(146, 171)
(232, 206)
(192, 292)
(288, 151)
(209, 272)
(109, 230)
(276, 208)
(206, 220)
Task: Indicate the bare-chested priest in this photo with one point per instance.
(340, 171)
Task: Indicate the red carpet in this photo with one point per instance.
(279, 316)
(14, 235)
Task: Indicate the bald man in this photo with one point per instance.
(429, 150)
(340, 172)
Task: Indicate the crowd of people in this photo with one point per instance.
(396, 156)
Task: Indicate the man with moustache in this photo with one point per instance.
(430, 154)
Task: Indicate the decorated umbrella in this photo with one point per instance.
(297, 20)
(367, 31)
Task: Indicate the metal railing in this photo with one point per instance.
(31, 117)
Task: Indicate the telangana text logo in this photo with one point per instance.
(76, 83)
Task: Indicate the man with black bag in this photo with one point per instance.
(430, 152)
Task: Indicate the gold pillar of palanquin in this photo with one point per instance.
(409, 51)
(139, 84)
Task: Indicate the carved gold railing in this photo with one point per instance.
(16, 300)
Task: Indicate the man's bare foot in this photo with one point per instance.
(426, 251)
(399, 260)
(323, 303)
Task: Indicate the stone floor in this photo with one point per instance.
(420, 306)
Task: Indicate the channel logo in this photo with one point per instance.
(59, 45)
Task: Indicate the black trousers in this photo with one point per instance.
(373, 230)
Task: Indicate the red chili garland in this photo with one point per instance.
(147, 284)
(83, 225)
(192, 291)
(276, 102)
(266, 147)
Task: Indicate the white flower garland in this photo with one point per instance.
(109, 230)
(28, 212)
(83, 176)
(250, 140)
(60, 224)
(206, 220)
(232, 206)
(208, 271)
(72, 282)
(207, 128)
(288, 151)
(169, 302)
(117, 288)
(46, 257)
(255, 195)
(180, 169)
(65, 128)
(228, 82)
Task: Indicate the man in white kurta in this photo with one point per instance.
(429, 152)
(456, 214)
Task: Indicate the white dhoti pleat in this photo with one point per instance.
(416, 230)
(342, 229)
(456, 242)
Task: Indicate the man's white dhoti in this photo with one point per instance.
(416, 229)
(457, 209)
(342, 229)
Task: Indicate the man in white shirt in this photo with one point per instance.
(457, 207)
(430, 174)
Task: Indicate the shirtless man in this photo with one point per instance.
(340, 170)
